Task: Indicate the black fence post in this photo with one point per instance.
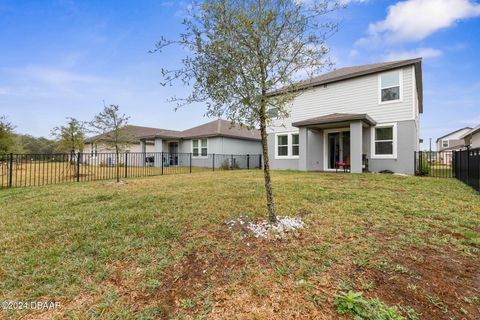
(78, 167)
(260, 159)
(468, 165)
(126, 165)
(162, 163)
(213, 162)
(232, 165)
(415, 163)
(10, 181)
(190, 162)
(248, 161)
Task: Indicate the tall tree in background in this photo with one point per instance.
(110, 124)
(70, 137)
(6, 135)
(241, 51)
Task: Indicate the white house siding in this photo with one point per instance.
(475, 141)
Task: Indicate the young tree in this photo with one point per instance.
(246, 57)
(110, 124)
(7, 140)
(70, 137)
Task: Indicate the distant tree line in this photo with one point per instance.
(69, 137)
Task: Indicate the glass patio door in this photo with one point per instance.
(338, 148)
(173, 151)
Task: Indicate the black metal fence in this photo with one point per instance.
(22, 170)
(463, 165)
(438, 164)
(467, 167)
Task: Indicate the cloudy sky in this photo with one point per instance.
(63, 58)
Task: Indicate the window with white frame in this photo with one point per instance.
(287, 145)
(384, 141)
(282, 145)
(199, 147)
(444, 143)
(390, 86)
(295, 144)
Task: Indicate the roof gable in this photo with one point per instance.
(458, 132)
(363, 70)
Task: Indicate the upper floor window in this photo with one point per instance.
(444, 143)
(390, 86)
(199, 148)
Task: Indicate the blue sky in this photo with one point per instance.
(63, 58)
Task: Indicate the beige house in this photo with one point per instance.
(453, 140)
(472, 137)
(449, 143)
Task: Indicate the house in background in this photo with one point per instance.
(449, 143)
(472, 137)
(453, 140)
(219, 137)
(363, 116)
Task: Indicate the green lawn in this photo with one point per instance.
(159, 248)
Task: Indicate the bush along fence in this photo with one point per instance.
(463, 165)
(21, 170)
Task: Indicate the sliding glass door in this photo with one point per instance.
(338, 148)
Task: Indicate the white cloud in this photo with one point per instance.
(409, 54)
(414, 20)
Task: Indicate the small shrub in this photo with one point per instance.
(372, 309)
(351, 302)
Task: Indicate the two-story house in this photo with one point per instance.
(366, 117)
(453, 140)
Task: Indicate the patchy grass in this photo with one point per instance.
(159, 248)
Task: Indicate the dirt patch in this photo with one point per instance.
(435, 284)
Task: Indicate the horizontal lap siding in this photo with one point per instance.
(358, 95)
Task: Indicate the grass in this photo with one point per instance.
(40, 173)
(158, 247)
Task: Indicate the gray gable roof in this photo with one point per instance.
(446, 135)
(135, 132)
(358, 71)
(216, 128)
(471, 132)
(336, 118)
(221, 128)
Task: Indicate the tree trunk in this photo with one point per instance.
(272, 214)
(117, 164)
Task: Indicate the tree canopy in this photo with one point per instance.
(245, 58)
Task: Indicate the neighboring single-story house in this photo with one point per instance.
(364, 117)
(472, 137)
(219, 137)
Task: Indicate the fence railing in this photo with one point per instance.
(462, 164)
(21, 170)
(467, 167)
(438, 164)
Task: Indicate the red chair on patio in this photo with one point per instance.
(340, 164)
